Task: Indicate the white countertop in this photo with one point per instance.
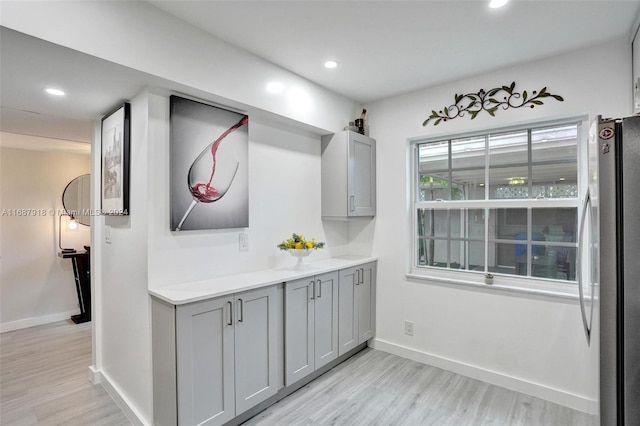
(180, 294)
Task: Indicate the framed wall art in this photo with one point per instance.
(208, 167)
(116, 129)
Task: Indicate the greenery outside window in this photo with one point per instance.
(503, 202)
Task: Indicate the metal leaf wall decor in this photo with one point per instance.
(504, 97)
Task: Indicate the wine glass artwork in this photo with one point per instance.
(210, 177)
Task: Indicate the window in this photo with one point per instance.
(503, 202)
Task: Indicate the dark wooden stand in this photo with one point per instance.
(82, 273)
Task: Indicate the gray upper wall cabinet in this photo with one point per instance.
(348, 175)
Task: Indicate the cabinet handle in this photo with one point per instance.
(230, 313)
(241, 319)
(362, 276)
(313, 286)
(358, 276)
(319, 289)
(352, 202)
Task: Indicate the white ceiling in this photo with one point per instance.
(384, 48)
(28, 65)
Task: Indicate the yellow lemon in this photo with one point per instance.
(299, 246)
(310, 244)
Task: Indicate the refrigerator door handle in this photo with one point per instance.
(583, 216)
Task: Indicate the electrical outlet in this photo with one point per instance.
(408, 328)
(243, 242)
(107, 234)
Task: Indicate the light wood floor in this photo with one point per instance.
(376, 388)
(43, 380)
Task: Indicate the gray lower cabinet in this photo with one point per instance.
(255, 347)
(225, 361)
(356, 312)
(205, 362)
(216, 359)
(311, 325)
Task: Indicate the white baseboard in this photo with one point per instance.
(129, 410)
(547, 393)
(34, 321)
(94, 375)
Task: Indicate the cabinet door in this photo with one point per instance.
(365, 291)
(347, 320)
(326, 319)
(255, 347)
(298, 332)
(361, 179)
(205, 362)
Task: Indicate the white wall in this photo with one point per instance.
(122, 300)
(36, 286)
(532, 343)
(284, 197)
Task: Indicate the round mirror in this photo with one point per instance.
(76, 199)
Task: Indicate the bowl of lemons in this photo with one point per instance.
(299, 247)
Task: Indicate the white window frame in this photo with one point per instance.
(526, 284)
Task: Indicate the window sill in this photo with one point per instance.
(537, 287)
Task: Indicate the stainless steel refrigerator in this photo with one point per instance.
(612, 290)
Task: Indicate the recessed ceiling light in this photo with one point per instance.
(54, 92)
(497, 3)
(330, 64)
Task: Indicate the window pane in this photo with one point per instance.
(433, 156)
(457, 220)
(434, 187)
(555, 144)
(555, 180)
(476, 255)
(476, 225)
(457, 255)
(432, 252)
(508, 149)
(423, 252)
(556, 224)
(554, 152)
(556, 262)
(508, 224)
(468, 165)
(432, 223)
(433, 171)
(469, 184)
(468, 153)
(467, 223)
(502, 259)
(560, 190)
(467, 255)
(509, 182)
(565, 258)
